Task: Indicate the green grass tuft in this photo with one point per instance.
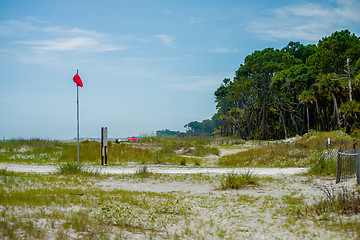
(238, 181)
(280, 155)
(325, 164)
(343, 201)
(69, 168)
(143, 172)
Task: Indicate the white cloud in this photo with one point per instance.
(133, 38)
(79, 44)
(62, 44)
(166, 39)
(194, 20)
(224, 50)
(47, 38)
(305, 10)
(39, 42)
(167, 12)
(14, 27)
(307, 21)
(57, 30)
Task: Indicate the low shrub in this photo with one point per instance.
(280, 155)
(143, 172)
(343, 201)
(325, 164)
(69, 168)
(238, 181)
(142, 212)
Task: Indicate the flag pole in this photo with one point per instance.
(77, 103)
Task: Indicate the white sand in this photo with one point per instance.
(156, 169)
(259, 212)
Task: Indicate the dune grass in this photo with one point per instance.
(67, 206)
(176, 151)
(154, 152)
(306, 152)
(74, 205)
(325, 164)
(280, 155)
(68, 203)
(238, 181)
(319, 140)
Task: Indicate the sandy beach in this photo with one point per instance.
(254, 212)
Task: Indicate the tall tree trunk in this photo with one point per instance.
(222, 126)
(239, 126)
(263, 121)
(336, 111)
(307, 116)
(317, 114)
(294, 122)
(283, 121)
(349, 79)
(264, 112)
(248, 124)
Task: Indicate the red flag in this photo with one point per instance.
(77, 80)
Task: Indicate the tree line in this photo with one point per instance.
(280, 93)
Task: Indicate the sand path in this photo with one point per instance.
(31, 168)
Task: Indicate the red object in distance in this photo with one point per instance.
(77, 80)
(133, 139)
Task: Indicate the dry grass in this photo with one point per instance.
(158, 152)
(280, 155)
(51, 206)
(343, 201)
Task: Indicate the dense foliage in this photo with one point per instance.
(277, 94)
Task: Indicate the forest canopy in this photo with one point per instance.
(280, 93)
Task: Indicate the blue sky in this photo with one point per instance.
(145, 65)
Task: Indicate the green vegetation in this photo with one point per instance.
(280, 155)
(76, 169)
(281, 93)
(319, 140)
(191, 146)
(142, 212)
(150, 150)
(332, 211)
(275, 94)
(143, 172)
(238, 181)
(69, 168)
(343, 201)
(73, 205)
(76, 205)
(311, 150)
(325, 164)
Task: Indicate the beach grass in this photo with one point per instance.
(154, 152)
(238, 181)
(70, 203)
(73, 205)
(280, 155)
(304, 152)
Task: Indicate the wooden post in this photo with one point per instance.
(354, 144)
(105, 152)
(338, 167)
(102, 146)
(358, 168)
